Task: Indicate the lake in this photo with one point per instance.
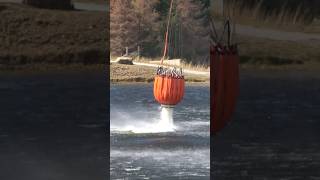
(275, 132)
(184, 153)
(52, 126)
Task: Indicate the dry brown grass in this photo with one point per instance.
(30, 35)
(258, 51)
(133, 73)
(285, 18)
(195, 67)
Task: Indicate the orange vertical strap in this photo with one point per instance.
(167, 33)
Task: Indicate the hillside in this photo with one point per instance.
(31, 36)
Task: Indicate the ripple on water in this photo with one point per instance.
(171, 163)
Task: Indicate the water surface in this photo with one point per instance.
(184, 153)
(276, 129)
(52, 126)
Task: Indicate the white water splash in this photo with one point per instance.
(166, 119)
(134, 123)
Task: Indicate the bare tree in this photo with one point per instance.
(133, 24)
(123, 29)
(137, 23)
(192, 15)
(147, 25)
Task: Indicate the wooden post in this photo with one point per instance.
(127, 51)
(138, 52)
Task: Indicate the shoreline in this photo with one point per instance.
(132, 74)
(120, 73)
(132, 82)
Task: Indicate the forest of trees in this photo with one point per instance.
(142, 23)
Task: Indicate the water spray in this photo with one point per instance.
(166, 117)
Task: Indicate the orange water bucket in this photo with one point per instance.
(168, 90)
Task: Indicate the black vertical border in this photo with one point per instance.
(211, 103)
(107, 75)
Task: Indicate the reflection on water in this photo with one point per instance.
(183, 153)
(276, 130)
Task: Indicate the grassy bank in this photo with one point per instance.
(297, 18)
(263, 52)
(183, 64)
(259, 54)
(134, 73)
(31, 36)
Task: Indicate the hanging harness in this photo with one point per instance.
(168, 86)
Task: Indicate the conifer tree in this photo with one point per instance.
(133, 23)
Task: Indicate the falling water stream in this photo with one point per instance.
(166, 118)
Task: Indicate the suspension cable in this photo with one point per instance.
(167, 33)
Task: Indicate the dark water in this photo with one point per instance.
(276, 129)
(52, 126)
(183, 154)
